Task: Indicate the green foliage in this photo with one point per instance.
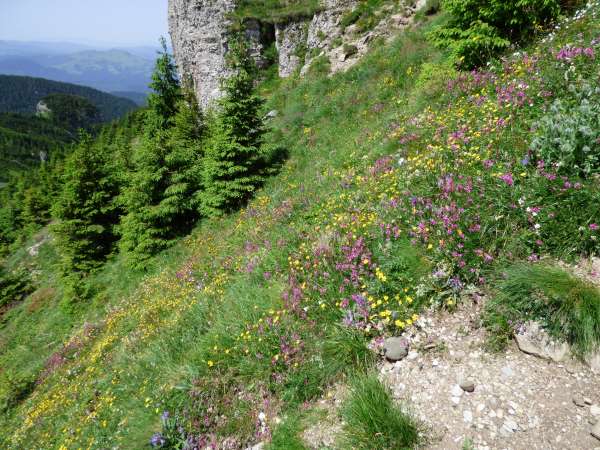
(161, 198)
(364, 15)
(480, 29)
(234, 165)
(569, 134)
(373, 421)
(276, 10)
(568, 307)
(14, 389)
(166, 89)
(434, 78)
(71, 111)
(287, 435)
(22, 94)
(86, 210)
(27, 141)
(14, 286)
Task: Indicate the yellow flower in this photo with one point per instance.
(210, 363)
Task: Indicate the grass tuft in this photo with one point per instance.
(287, 435)
(373, 421)
(568, 307)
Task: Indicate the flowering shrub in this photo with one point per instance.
(569, 134)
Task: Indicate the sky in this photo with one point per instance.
(94, 22)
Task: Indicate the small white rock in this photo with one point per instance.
(456, 391)
(595, 410)
(468, 416)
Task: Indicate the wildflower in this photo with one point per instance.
(210, 363)
(594, 226)
(508, 179)
(157, 440)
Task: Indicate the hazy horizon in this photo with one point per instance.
(110, 23)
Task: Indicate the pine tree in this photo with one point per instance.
(160, 197)
(86, 210)
(185, 159)
(233, 166)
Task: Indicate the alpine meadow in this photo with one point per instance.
(336, 224)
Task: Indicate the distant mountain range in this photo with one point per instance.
(124, 70)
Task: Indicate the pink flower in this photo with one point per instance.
(594, 226)
(508, 179)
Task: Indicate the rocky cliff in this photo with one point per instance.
(200, 31)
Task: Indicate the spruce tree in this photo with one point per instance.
(233, 166)
(86, 210)
(159, 197)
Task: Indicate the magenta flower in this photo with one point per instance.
(594, 226)
(508, 179)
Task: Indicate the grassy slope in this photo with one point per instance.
(247, 323)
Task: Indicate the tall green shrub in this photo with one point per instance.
(233, 166)
(479, 29)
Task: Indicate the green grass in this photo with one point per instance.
(287, 435)
(568, 307)
(190, 337)
(277, 10)
(374, 422)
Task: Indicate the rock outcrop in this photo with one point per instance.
(200, 32)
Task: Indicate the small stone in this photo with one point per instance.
(588, 401)
(507, 371)
(456, 391)
(395, 348)
(595, 410)
(467, 385)
(468, 416)
(455, 400)
(579, 400)
(510, 425)
(412, 355)
(596, 430)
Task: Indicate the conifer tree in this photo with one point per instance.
(234, 167)
(86, 210)
(159, 198)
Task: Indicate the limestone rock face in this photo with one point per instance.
(199, 32)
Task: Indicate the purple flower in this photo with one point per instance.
(508, 179)
(594, 226)
(157, 440)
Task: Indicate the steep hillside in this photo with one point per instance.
(25, 141)
(22, 94)
(410, 188)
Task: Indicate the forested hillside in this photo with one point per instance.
(402, 255)
(26, 141)
(22, 94)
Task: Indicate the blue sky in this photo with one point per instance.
(129, 22)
